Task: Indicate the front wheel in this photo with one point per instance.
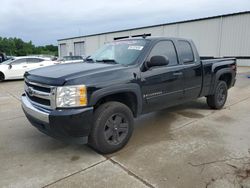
(112, 127)
(218, 100)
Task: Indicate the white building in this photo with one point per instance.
(219, 36)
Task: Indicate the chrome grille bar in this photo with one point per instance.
(40, 94)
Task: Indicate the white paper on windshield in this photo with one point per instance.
(129, 42)
(135, 47)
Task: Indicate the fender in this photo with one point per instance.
(121, 88)
(227, 61)
(217, 76)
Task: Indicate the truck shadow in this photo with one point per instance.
(149, 129)
(37, 142)
(156, 127)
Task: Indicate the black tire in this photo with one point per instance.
(2, 77)
(112, 127)
(218, 100)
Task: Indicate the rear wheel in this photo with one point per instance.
(2, 77)
(112, 128)
(218, 100)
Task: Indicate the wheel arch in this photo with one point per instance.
(223, 75)
(227, 77)
(128, 94)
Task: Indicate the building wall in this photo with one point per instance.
(236, 36)
(220, 36)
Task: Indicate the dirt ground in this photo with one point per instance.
(186, 146)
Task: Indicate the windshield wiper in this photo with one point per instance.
(111, 61)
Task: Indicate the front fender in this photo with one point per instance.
(121, 88)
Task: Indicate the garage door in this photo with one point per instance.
(63, 51)
(79, 49)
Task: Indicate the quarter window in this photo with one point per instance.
(167, 49)
(186, 52)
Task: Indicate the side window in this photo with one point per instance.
(18, 61)
(186, 52)
(167, 49)
(34, 60)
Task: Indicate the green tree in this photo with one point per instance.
(17, 47)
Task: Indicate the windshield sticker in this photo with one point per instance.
(135, 47)
(123, 42)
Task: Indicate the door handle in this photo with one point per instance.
(41, 65)
(177, 73)
(24, 66)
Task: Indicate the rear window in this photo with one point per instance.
(186, 52)
(34, 60)
(19, 61)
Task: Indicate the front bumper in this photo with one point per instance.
(69, 125)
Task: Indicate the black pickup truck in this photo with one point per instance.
(95, 102)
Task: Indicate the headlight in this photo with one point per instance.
(71, 96)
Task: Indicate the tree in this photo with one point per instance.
(17, 47)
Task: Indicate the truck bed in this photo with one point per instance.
(211, 65)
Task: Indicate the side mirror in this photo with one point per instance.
(10, 66)
(157, 61)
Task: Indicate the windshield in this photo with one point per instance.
(8, 61)
(120, 52)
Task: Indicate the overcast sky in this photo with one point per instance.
(45, 21)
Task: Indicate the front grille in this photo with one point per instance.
(40, 94)
(39, 100)
(39, 88)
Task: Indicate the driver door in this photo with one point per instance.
(18, 68)
(163, 86)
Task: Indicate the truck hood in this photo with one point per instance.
(59, 74)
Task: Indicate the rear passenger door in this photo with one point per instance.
(162, 86)
(192, 69)
(34, 63)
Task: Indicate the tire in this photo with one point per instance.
(112, 127)
(218, 100)
(2, 77)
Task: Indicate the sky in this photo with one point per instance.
(45, 21)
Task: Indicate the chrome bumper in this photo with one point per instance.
(34, 112)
